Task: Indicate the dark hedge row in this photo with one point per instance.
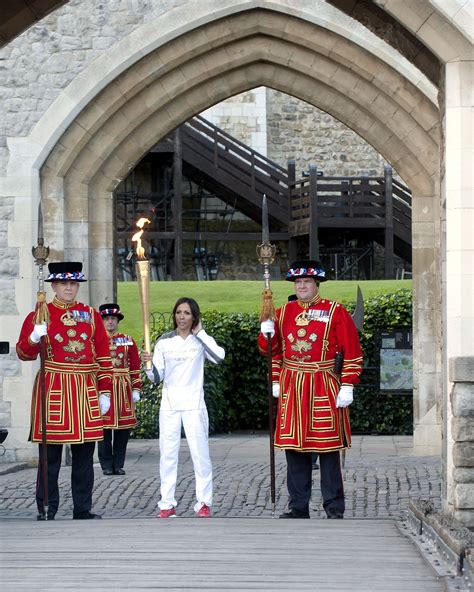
(236, 392)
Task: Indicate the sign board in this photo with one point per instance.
(396, 360)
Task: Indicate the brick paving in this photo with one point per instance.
(381, 475)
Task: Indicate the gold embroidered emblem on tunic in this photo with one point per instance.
(301, 346)
(74, 346)
(66, 319)
(71, 333)
(302, 319)
(302, 359)
(301, 332)
(74, 360)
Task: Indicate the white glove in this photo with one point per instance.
(104, 403)
(150, 375)
(38, 332)
(276, 390)
(268, 327)
(345, 396)
(135, 396)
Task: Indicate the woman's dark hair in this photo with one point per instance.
(193, 305)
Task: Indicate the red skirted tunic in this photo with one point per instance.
(307, 338)
(77, 368)
(126, 377)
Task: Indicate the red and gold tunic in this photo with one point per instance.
(126, 377)
(77, 368)
(307, 338)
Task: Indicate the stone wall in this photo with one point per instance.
(243, 116)
(461, 374)
(41, 62)
(297, 130)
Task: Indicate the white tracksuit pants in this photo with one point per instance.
(196, 428)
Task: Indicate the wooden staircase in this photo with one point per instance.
(379, 208)
(235, 172)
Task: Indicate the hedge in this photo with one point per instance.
(236, 390)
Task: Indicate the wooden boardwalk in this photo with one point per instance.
(211, 554)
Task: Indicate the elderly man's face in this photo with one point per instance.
(306, 289)
(111, 323)
(66, 290)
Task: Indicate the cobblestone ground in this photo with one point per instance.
(376, 485)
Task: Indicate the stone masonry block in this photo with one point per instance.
(462, 429)
(464, 475)
(464, 496)
(5, 419)
(461, 369)
(465, 517)
(462, 397)
(463, 454)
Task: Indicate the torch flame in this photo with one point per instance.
(137, 237)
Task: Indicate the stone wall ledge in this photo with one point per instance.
(444, 542)
(461, 369)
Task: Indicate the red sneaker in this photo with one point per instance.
(204, 512)
(167, 513)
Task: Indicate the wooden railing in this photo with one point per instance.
(347, 202)
(364, 203)
(235, 165)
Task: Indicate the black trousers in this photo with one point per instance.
(299, 481)
(82, 477)
(112, 454)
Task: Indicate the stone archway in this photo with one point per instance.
(179, 78)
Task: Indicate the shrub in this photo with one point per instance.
(236, 390)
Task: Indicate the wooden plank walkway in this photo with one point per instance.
(211, 554)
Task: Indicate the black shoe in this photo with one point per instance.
(335, 516)
(42, 516)
(293, 513)
(86, 516)
(119, 472)
(108, 472)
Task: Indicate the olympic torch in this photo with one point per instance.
(142, 268)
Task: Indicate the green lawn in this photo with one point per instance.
(233, 296)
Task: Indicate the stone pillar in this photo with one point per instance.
(427, 333)
(461, 376)
(458, 273)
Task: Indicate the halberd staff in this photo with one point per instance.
(266, 256)
(40, 254)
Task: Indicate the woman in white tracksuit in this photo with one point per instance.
(178, 362)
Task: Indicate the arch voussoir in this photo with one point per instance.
(135, 103)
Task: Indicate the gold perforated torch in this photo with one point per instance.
(142, 267)
(266, 256)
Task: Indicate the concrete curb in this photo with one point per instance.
(6, 468)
